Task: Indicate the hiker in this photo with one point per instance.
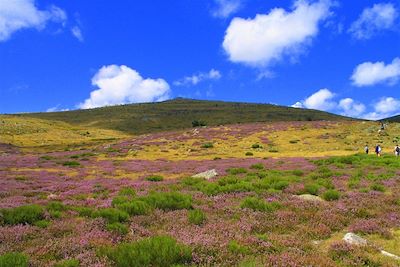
(397, 150)
(366, 149)
(378, 150)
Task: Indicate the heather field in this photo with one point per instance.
(275, 194)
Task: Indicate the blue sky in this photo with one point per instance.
(339, 56)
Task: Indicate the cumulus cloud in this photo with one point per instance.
(324, 100)
(16, 15)
(269, 37)
(373, 20)
(321, 100)
(351, 108)
(199, 77)
(368, 73)
(225, 8)
(76, 31)
(56, 109)
(384, 108)
(121, 85)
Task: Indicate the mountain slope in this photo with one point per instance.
(179, 114)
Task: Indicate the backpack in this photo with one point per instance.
(398, 149)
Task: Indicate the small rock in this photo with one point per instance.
(206, 175)
(309, 197)
(52, 196)
(354, 239)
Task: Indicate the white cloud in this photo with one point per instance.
(121, 85)
(199, 77)
(373, 20)
(225, 8)
(76, 31)
(368, 73)
(384, 108)
(16, 15)
(298, 105)
(269, 37)
(321, 100)
(351, 108)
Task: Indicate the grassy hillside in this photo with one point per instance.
(179, 114)
(393, 119)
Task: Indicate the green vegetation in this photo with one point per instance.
(155, 178)
(258, 204)
(112, 215)
(179, 114)
(22, 214)
(168, 200)
(208, 145)
(117, 227)
(196, 217)
(135, 207)
(68, 263)
(156, 251)
(235, 248)
(14, 260)
(71, 163)
(331, 195)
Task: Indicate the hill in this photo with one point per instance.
(179, 114)
(393, 119)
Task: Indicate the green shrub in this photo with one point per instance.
(235, 248)
(46, 157)
(280, 185)
(168, 200)
(249, 154)
(84, 211)
(23, 214)
(42, 223)
(68, 263)
(156, 251)
(257, 204)
(127, 191)
(235, 171)
(197, 123)
(312, 189)
(55, 214)
(196, 217)
(112, 215)
(117, 227)
(14, 260)
(118, 200)
(155, 178)
(298, 172)
(331, 195)
(257, 166)
(378, 187)
(208, 145)
(135, 207)
(71, 163)
(273, 150)
(255, 146)
(295, 141)
(56, 206)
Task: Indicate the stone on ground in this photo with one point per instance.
(309, 197)
(354, 239)
(206, 175)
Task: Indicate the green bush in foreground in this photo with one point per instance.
(196, 217)
(117, 228)
(168, 200)
(135, 207)
(68, 263)
(23, 214)
(71, 163)
(14, 260)
(257, 204)
(112, 215)
(331, 195)
(159, 251)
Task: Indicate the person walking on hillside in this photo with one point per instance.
(397, 151)
(366, 149)
(378, 150)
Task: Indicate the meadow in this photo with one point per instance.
(286, 193)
